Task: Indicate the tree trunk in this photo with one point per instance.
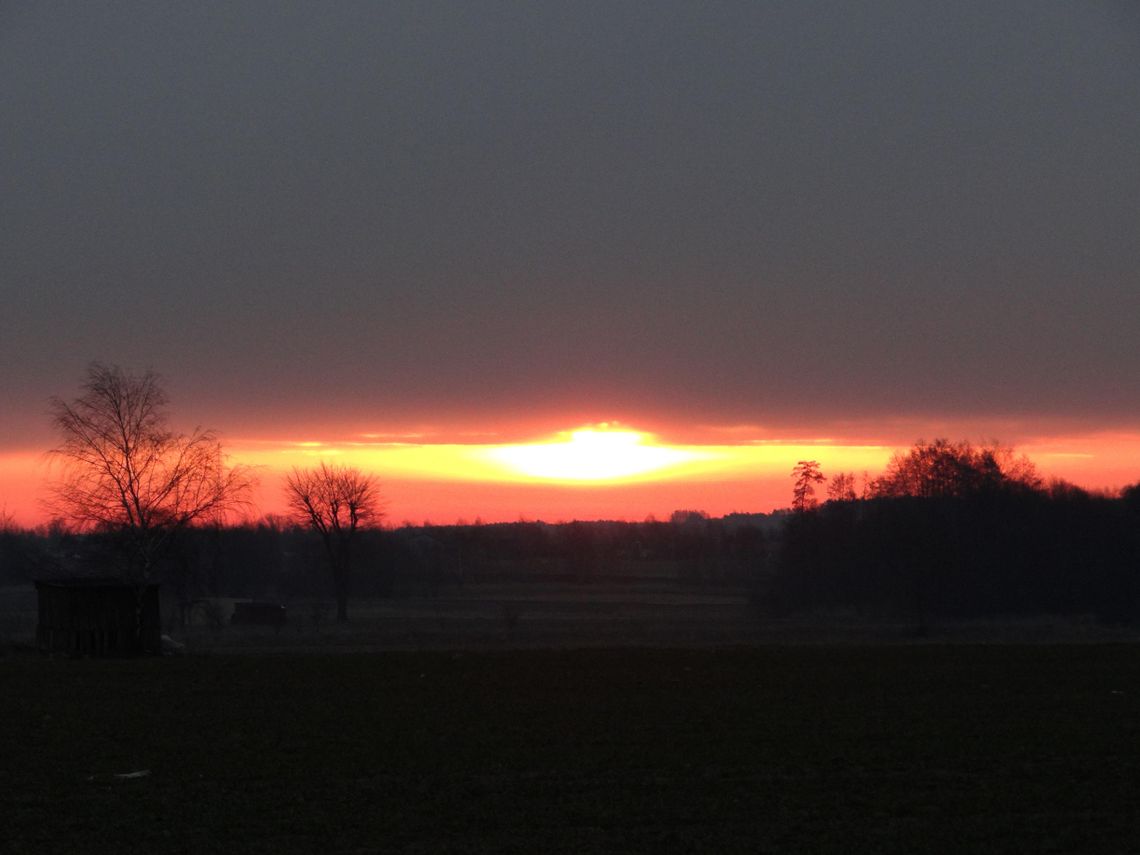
(341, 582)
(341, 605)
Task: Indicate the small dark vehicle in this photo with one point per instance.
(256, 613)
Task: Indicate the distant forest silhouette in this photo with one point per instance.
(953, 530)
(947, 531)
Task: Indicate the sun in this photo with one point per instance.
(598, 453)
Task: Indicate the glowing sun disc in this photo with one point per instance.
(591, 454)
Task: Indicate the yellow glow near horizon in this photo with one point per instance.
(593, 454)
(600, 455)
(604, 469)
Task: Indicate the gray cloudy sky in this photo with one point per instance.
(381, 215)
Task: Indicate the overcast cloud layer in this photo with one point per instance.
(389, 214)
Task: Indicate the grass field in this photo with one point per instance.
(890, 748)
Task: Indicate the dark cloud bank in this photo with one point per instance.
(386, 213)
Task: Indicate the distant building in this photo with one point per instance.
(98, 617)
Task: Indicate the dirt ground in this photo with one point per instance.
(559, 615)
(809, 748)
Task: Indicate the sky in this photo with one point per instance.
(812, 224)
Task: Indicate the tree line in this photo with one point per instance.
(140, 501)
(956, 530)
(947, 529)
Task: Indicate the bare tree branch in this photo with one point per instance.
(335, 501)
(123, 471)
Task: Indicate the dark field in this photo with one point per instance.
(890, 748)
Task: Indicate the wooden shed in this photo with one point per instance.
(98, 617)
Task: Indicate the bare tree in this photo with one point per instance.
(943, 468)
(842, 488)
(335, 501)
(122, 471)
(807, 475)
